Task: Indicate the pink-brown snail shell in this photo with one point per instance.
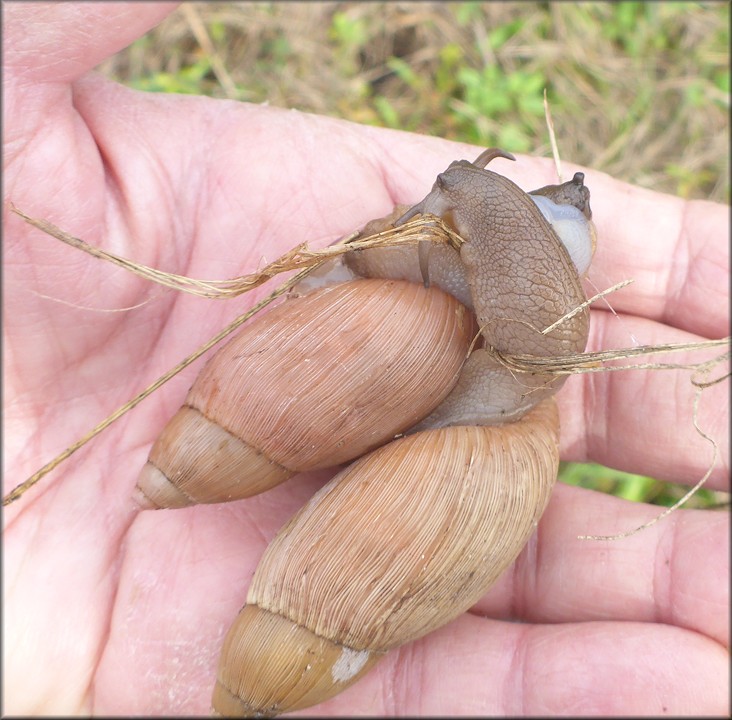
(322, 380)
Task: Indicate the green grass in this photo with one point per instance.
(638, 90)
(638, 488)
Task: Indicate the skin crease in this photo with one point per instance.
(111, 611)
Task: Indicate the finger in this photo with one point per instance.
(59, 42)
(479, 667)
(675, 572)
(642, 421)
(205, 557)
(182, 580)
(675, 251)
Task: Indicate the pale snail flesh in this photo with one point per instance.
(567, 208)
(462, 501)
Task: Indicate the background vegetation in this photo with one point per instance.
(638, 90)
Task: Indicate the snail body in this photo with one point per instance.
(510, 252)
(515, 244)
(566, 208)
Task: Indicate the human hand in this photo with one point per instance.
(111, 610)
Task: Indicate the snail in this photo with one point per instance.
(412, 533)
(256, 453)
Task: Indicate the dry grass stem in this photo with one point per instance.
(587, 303)
(592, 361)
(202, 38)
(552, 137)
(76, 306)
(428, 227)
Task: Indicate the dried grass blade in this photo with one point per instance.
(592, 361)
(552, 137)
(427, 227)
(700, 387)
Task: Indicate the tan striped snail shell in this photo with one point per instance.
(396, 545)
(318, 381)
(412, 534)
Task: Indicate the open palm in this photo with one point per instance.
(113, 610)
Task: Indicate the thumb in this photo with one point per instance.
(59, 42)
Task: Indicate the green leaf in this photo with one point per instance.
(512, 138)
(348, 31)
(467, 12)
(636, 488)
(721, 80)
(387, 112)
(404, 72)
(498, 37)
